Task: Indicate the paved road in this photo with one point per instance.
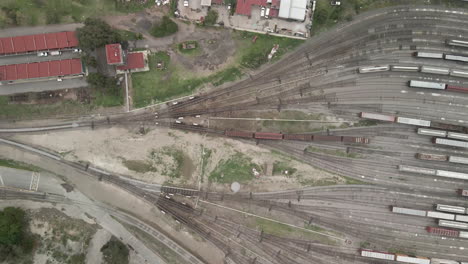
(28, 58)
(41, 86)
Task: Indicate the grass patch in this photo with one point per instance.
(283, 230)
(18, 165)
(366, 122)
(337, 152)
(138, 166)
(320, 182)
(169, 160)
(280, 167)
(253, 55)
(191, 48)
(350, 180)
(129, 35)
(158, 85)
(237, 168)
(206, 155)
(164, 28)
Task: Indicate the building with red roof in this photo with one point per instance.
(38, 42)
(244, 7)
(114, 54)
(135, 60)
(45, 69)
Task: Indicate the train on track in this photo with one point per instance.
(446, 232)
(413, 121)
(300, 137)
(446, 215)
(463, 192)
(437, 157)
(433, 55)
(442, 133)
(437, 86)
(405, 258)
(457, 43)
(433, 172)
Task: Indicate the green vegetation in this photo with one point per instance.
(106, 91)
(206, 155)
(336, 152)
(89, 60)
(211, 18)
(139, 166)
(39, 12)
(172, 7)
(366, 122)
(190, 51)
(164, 28)
(350, 180)
(129, 35)
(170, 160)
(18, 165)
(96, 33)
(158, 85)
(115, 252)
(280, 167)
(255, 54)
(16, 242)
(282, 230)
(237, 168)
(365, 244)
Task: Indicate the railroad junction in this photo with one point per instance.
(396, 78)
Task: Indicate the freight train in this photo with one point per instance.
(433, 55)
(405, 258)
(446, 232)
(437, 86)
(300, 137)
(433, 172)
(455, 216)
(437, 157)
(442, 133)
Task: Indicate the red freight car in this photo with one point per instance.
(443, 231)
(327, 138)
(457, 88)
(241, 134)
(265, 135)
(302, 137)
(360, 140)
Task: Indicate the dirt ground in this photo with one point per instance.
(216, 44)
(111, 149)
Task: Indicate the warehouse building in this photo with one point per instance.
(45, 70)
(293, 9)
(38, 42)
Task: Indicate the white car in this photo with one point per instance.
(267, 12)
(262, 12)
(76, 50)
(185, 3)
(42, 54)
(335, 3)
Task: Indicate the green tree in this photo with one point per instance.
(211, 18)
(89, 60)
(95, 34)
(115, 252)
(15, 241)
(165, 28)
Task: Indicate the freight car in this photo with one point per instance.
(453, 224)
(450, 208)
(448, 127)
(413, 121)
(265, 135)
(414, 169)
(463, 192)
(439, 215)
(408, 211)
(443, 231)
(379, 117)
(459, 136)
(457, 88)
(240, 134)
(457, 43)
(435, 70)
(427, 85)
(301, 137)
(369, 69)
(455, 57)
(435, 157)
(432, 132)
(450, 142)
(428, 55)
(368, 253)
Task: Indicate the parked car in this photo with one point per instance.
(267, 12)
(76, 50)
(55, 53)
(262, 12)
(335, 3)
(42, 54)
(185, 3)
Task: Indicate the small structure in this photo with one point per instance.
(114, 54)
(136, 62)
(206, 3)
(188, 46)
(293, 9)
(235, 187)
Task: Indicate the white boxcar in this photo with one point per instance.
(415, 260)
(456, 159)
(450, 142)
(456, 58)
(459, 136)
(428, 85)
(451, 208)
(457, 42)
(458, 73)
(368, 69)
(407, 211)
(378, 117)
(453, 224)
(434, 70)
(452, 174)
(443, 261)
(412, 121)
(440, 215)
(461, 218)
(429, 55)
(432, 132)
(463, 234)
(377, 255)
(414, 169)
(404, 68)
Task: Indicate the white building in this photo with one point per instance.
(293, 9)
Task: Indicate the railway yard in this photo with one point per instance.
(394, 84)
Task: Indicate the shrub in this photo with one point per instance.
(165, 28)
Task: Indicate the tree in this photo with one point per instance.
(115, 252)
(95, 34)
(15, 240)
(103, 83)
(165, 28)
(89, 60)
(211, 18)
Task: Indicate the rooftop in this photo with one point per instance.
(135, 60)
(38, 42)
(114, 54)
(40, 69)
(244, 7)
(293, 9)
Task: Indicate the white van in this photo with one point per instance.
(55, 53)
(262, 12)
(267, 12)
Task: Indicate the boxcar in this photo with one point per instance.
(376, 254)
(453, 224)
(459, 73)
(427, 85)
(434, 70)
(457, 88)
(428, 55)
(266, 135)
(439, 215)
(241, 134)
(413, 121)
(436, 157)
(326, 138)
(361, 140)
(450, 142)
(443, 231)
(432, 132)
(459, 136)
(409, 259)
(461, 218)
(378, 117)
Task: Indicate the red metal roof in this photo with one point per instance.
(134, 61)
(244, 7)
(40, 69)
(38, 42)
(114, 54)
